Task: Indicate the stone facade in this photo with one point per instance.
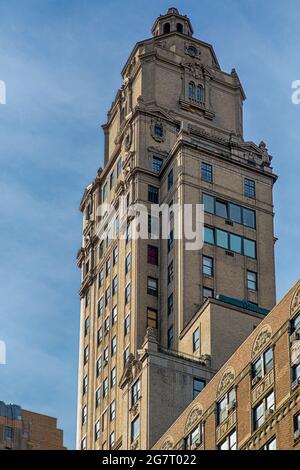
(26, 430)
(174, 133)
(279, 425)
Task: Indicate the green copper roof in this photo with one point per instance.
(243, 304)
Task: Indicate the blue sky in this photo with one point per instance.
(61, 62)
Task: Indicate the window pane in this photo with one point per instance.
(235, 243)
(222, 239)
(207, 293)
(206, 172)
(235, 213)
(207, 266)
(270, 401)
(209, 203)
(221, 209)
(268, 358)
(209, 235)
(257, 368)
(249, 248)
(249, 218)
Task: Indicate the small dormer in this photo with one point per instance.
(172, 22)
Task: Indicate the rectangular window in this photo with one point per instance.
(209, 235)
(105, 387)
(170, 240)
(119, 167)
(98, 397)
(127, 325)
(115, 255)
(170, 180)
(249, 218)
(128, 232)
(170, 273)
(208, 293)
(222, 209)
(128, 263)
(8, 433)
(153, 225)
(135, 429)
(198, 386)
(107, 296)
(105, 357)
(86, 355)
(206, 172)
(170, 337)
(207, 266)
(127, 294)
(170, 304)
(84, 385)
(98, 366)
(111, 439)
(226, 405)
(297, 426)
(262, 366)
(115, 285)
(107, 267)
(86, 326)
(209, 203)
(153, 255)
(83, 444)
(222, 239)
(235, 243)
(251, 280)
(249, 248)
(100, 279)
(152, 319)
(87, 298)
(113, 377)
(295, 376)
(271, 445)
(100, 307)
(106, 324)
(152, 286)
(97, 430)
(126, 355)
(196, 340)
(153, 194)
(84, 415)
(262, 411)
(195, 438)
(114, 314)
(113, 345)
(101, 249)
(295, 325)
(249, 188)
(112, 410)
(104, 192)
(229, 443)
(235, 213)
(135, 392)
(156, 164)
(99, 336)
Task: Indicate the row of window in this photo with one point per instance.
(108, 186)
(230, 241)
(229, 211)
(249, 184)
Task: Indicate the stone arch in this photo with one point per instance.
(226, 381)
(193, 416)
(262, 339)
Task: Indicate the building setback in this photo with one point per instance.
(159, 320)
(253, 402)
(26, 430)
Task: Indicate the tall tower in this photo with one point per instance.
(158, 320)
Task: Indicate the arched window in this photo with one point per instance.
(179, 28)
(192, 91)
(167, 28)
(200, 94)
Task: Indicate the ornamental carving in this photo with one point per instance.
(193, 417)
(168, 443)
(262, 339)
(295, 305)
(226, 381)
(194, 69)
(158, 131)
(132, 367)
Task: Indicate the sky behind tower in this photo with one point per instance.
(61, 62)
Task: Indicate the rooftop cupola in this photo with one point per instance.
(172, 22)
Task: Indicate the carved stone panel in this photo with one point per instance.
(226, 381)
(168, 443)
(262, 339)
(295, 305)
(226, 426)
(193, 417)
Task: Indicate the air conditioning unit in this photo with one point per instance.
(297, 434)
(256, 380)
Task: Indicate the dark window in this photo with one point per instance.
(179, 28)
(112, 410)
(297, 425)
(87, 298)
(170, 337)
(295, 324)
(101, 249)
(84, 385)
(207, 293)
(200, 94)
(107, 267)
(235, 213)
(235, 243)
(192, 91)
(158, 130)
(113, 377)
(209, 235)
(206, 172)
(111, 179)
(111, 439)
(86, 326)
(115, 255)
(152, 286)
(226, 405)
(113, 345)
(170, 273)
(100, 307)
(135, 429)
(152, 318)
(222, 239)
(153, 194)
(135, 392)
(170, 179)
(97, 397)
(198, 386)
(114, 314)
(221, 209)
(100, 279)
(170, 304)
(196, 340)
(170, 240)
(167, 28)
(107, 296)
(249, 248)
(262, 366)
(209, 203)
(8, 433)
(207, 266)
(295, 376)
(249, 188)
(115, 285)
(251, 280)
(127, 294)
(156, 164)
(86, 355)
(249, 218)
(128, 263)
(153, 255)
(127, 325)
(99, 335)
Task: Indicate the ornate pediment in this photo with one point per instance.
(132, 367)
(193, 417)
(168, 443)
(226, 381)
(262, 339)
(295, 305)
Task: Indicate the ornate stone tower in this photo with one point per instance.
(157, 320)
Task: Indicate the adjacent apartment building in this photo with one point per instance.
(26, 430)
(157, 320)
(253, 402)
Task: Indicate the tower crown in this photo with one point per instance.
(172, 22)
